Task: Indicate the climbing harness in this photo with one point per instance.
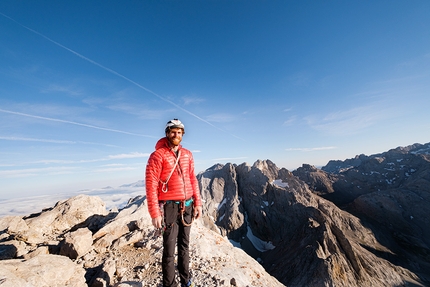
(182, 206)
(164, 183)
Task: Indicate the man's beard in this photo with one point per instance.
(175, 141)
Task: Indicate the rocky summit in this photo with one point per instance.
(359, 222)
(79, 243)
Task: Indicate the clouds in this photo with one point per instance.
(58, 166)
(31, 172)
(225, 159)
(311, 149)
(192, 100)
(11, 138)
(56, 88)
(113, 197)
(121, 76)
(92, 102)
(290, 121)
(129, 155)
(221, 118)
(348, 122)
(73, 123)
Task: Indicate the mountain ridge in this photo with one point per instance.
(350, 223)
(329, 209)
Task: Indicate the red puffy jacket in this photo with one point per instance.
(182, 184)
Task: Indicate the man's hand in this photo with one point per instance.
(197, 212)
(157, 222)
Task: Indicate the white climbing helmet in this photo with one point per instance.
(175, 123)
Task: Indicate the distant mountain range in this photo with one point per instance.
(360, 222)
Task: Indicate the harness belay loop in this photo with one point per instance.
(182, 211)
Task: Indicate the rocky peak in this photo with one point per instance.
(320, 181)
(117, 248)
(296, 234)
(266, 167)
(391, 193)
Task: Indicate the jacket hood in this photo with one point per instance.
(163, 142)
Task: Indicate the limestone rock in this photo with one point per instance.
(42, 271)
(222, 210)
(129, 219)
(320, 181)
(299, 237)
(13, 224)
(62, 217)
(77, 243)
(105, 274)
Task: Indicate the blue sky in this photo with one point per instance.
(86, 87)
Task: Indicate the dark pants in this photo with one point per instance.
(176, 232)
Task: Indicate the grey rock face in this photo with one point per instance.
(390, 193)
(222, 209)
(299, 237)
(41, 271)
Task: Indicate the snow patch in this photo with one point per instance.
(259, 244)
(280, 183)
(222, 203)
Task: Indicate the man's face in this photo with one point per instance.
(175, 136)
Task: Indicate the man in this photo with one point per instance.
(174, 200)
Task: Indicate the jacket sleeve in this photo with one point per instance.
(194, 183)
(152, 176)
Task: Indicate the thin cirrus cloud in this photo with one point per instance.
(221, 118)
(28, 172)
(129, 155)
(53, 141)
(229, 158)
(192, 100)
(350, 121)
(305, 149)
(72, 123)
(112, 72)
(140, 111)
(16, 173)
(108, 158)
(289, 121)
(63, 89)
(117, 168)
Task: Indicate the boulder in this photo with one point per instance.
(12, 224)
(42, 271)
(128, 219)
(77, 243)
(62, 217)
(12, 248)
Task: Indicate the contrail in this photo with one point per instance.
(73, 123)
(114, 72)
(53, 141)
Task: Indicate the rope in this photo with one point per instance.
(164, 183)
